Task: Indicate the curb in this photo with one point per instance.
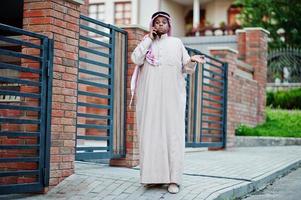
(258, 183)
(256, 141)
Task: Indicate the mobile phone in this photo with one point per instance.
(154, 34)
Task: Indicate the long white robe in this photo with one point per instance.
(160, 109)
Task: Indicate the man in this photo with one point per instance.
(161, 99)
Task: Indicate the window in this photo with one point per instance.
(97, 11)
(233, 13)
(122, 13)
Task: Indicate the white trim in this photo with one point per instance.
(134, 26)
(240, 31)
(257, 28)
(223, 48)
(110, 12)
(80, 2)
(134, 11)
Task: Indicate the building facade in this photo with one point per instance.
(189, 17)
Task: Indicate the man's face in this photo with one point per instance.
(161, 25)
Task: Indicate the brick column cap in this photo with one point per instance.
(134, 26)
(223, 49)
(257, 28)
(240, 31)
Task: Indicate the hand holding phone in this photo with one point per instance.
(153, 33)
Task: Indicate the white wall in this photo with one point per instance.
(142, 10)
(204, 43)
(146, 9)
(177, 13)
(216, 11)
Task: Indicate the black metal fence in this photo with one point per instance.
(100, 112)
(206, 109)
(25, 109)
(284, 65)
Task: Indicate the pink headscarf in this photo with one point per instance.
(162, 14)
(150, 58)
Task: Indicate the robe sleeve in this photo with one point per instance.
(188, 65)
(138, 55)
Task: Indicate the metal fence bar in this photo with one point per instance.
(19, 68)
(20, 42)
(95, 41)
(195, 102)
(94, 62)
(20, 159)
(19, 55)
(111, 101)
(225, 106)
(5, 27)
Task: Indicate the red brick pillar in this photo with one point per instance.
(241, 44)
(59, 20)
(229, 56)
(256, 55)
(135, 35)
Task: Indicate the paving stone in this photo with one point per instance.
(207, 175)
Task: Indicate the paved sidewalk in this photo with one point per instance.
(207, 175)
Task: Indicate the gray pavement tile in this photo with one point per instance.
(208, 175)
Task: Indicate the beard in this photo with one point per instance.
(162, 32)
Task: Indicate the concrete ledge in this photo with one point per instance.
(255, 141)
(240, 31)
(282, 86)
(257, 28)
(80, 2)
(245, 66)
(134, 26)
(191, 150)
(223, 48)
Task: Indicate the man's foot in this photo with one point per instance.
(173, 188)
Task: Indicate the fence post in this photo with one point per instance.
(229, 56)
(135, 35)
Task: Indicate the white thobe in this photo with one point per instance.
(160, 109)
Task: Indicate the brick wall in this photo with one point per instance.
(59, 20)
(247, 70)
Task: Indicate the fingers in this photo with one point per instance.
(202, 59)
(199, 58)
(153, 33)
(153, 29)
